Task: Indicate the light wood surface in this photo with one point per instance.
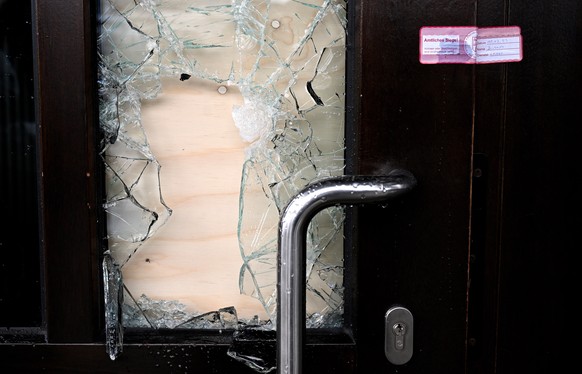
(194, 258)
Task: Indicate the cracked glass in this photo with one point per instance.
(214, 114)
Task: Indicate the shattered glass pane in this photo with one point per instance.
(282, 63)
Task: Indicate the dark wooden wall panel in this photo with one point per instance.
(541, 190)
(527, 117)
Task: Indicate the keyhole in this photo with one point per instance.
(399, 328)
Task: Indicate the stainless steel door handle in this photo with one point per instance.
(344, 190)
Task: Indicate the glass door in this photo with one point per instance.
(216, 114)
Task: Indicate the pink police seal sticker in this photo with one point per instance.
(470, 45)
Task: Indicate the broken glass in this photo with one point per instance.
(255, 347)
(113, 306)
(283, 64)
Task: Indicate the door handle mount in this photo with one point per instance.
(291, 272)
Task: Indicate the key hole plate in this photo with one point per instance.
(399, 329)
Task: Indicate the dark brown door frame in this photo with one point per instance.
(70, 197)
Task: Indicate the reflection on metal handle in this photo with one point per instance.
(344, 190)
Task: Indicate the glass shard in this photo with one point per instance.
(256, 348)
(113, 286)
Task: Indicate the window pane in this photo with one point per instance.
(215, 114)
(19, 232)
